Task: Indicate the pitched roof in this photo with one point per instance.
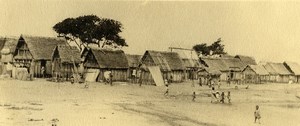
(133, 60)
(9, 45)
(223, 64)
(246, 59)
(166, 60)
(2, 42)
(41, 47)
(277, 68)
(209, 71)
(68, 54)
(259, 69)
(293, 67)
(110, 59)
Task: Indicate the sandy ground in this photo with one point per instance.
(40, 103)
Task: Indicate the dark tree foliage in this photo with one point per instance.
(216, 48)
(88, 29)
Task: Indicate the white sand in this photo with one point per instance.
(29, 103)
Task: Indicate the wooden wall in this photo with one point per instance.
(118, 75)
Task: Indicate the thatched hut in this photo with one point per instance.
(231, 68)
(170, 64)
(278, 72)
(255, 74)
(7, 50)
(204, 74)
(98, 61)
(133, 67)
(65, 61)
(294, 68)
(35, 53)
(190, 61)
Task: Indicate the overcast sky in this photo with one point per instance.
(265, 30)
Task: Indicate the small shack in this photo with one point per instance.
(98, 61)
(294, 68)
(231, 68)
(206, 74)
(170, 65)
(255, 74)
(279, 71)
(35, 53)
(65, 61)
(190, 61)
(133, 70)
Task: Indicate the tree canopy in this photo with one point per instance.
(90, 29)
(215, 48)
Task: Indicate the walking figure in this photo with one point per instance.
(167, 90)
(110, 78)
(222, 97)
(194, 96)
(228, 97)
(257, 114)
(213, 95)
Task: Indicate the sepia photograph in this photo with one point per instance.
(149, 63)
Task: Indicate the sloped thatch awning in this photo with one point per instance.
(293, 67)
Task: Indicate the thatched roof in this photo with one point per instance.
(246, 59)
(2, 42)
(293, 67)
(166, 60)
(277, 68)
(109, 59)
(9, 45)
(259, 69)
(133, 60)
(223, 64)
(67, 53)
(209, 71)
(41, 47)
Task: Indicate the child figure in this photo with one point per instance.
(194, 96)
(257, 114)
(218, 96)
(167, 90)
(222, 97)
(228, 97)
(213, 95)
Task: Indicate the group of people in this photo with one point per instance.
(217, 97)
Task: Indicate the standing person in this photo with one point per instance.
(228, 80)
(43, 71)
(213, 95)
(167, 89)
(228, 97)
(110, 78)
(257, 114)
(194, 96)
(222, 97)
(219, 84)
(200, 81)
(106, 77)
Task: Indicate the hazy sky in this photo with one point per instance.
(265, 30)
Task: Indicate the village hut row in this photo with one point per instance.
(54, 57)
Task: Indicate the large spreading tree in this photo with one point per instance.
(90, 29)
(215, 48)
